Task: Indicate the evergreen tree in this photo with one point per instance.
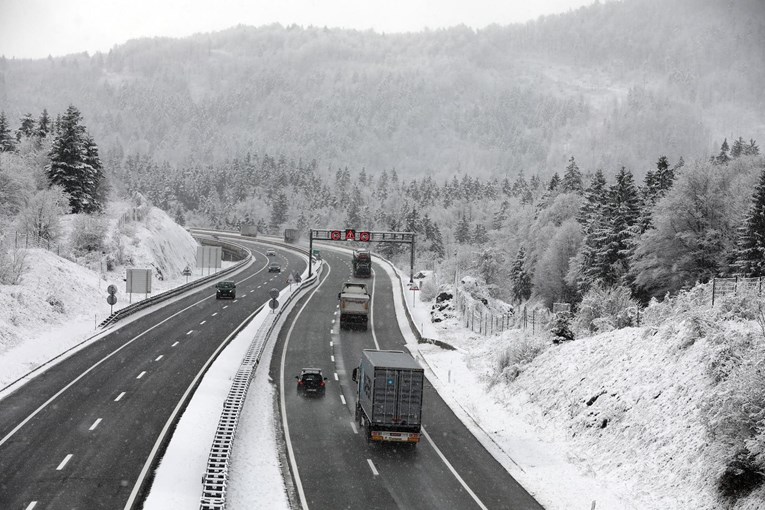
(614, 237)
(750, 255)
(500, 216)
(722, 158)
(737, 149)
(752, 149)
(462, 235)
(7, 142)
(572, 179)
(480, 236)
(520, 277)
(43, 124)
(302, 223)
(279, 210)
(27, 128)
(437, 243)
(75, 165)
(554, 182)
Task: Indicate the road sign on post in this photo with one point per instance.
(111, 299)
(186, 272)
(273, 304)
(350, 234)
(274, 293)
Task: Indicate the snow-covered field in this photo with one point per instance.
(613, 419)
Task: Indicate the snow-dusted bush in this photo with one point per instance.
(692, 300)
(734, 416)
(521, 352)
(13, 265)
(603, 309)
(429, 288)
(88, 233)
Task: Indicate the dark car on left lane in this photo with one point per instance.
(225, 289)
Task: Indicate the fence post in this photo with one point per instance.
(714, 282)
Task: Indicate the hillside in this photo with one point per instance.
(614, 84)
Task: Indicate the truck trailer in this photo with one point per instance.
(362, 263)
(354, 306)
(389, 391)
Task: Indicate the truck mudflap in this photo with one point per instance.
(397, 437)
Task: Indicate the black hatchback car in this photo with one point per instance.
(225, 289)
(311, 382)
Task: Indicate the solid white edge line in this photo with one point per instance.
(371, 312)
(372, 467)
(119, 397)
(454, 471)
(64, 462)
(285, 425)
(95, 424)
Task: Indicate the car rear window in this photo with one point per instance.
(226, 285)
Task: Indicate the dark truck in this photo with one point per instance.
(354, 305)
(389, 391)
(291, 235)
(362, 263)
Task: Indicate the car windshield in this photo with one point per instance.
(226, 285)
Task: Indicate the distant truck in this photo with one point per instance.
(248, 229)
(291, 235)
(362, 263)
(389, 391)
(354, 306)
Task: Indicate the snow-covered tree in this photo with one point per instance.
(520, 277)
(750, 253)
(572, 178)
(74, 164)
(7, 142)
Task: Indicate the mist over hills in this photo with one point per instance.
(613, 84)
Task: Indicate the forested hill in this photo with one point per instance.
(612, 84)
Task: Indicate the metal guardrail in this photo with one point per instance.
(140, 305)
(215, 479)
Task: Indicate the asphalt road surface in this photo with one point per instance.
(334, 467)
(80, 435)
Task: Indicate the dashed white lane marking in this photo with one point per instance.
(372, 467)
(64, 462)
(253, 290)
(176, 343)
(336, 378)
(332, 357)
(31, 505)
(216, 313)
(190, 332)
(119, 397)
(331, 331)
(95, 424)
(353, 426)
(225, 307)
(330, 343)
(333, 321)
(141, 374)
(202, 322)
(335, 313)
(342, 399)
(159, 357)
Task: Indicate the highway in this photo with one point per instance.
(332, 465)
(83, 434)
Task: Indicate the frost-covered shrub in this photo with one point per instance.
(613, 304)
(88, 233)
(561, 327)
(428, 288)
(734, 417)
(56, 304)
(13, 265)
(693, 300)
(521, 352)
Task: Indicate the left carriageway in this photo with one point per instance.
(84, 433)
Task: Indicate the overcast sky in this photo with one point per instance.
(38, 28)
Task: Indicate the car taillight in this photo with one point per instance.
(300, 383)
(322, 384)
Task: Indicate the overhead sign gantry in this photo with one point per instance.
(363, 236)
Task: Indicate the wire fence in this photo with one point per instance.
(476, 316)
(731, 286)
